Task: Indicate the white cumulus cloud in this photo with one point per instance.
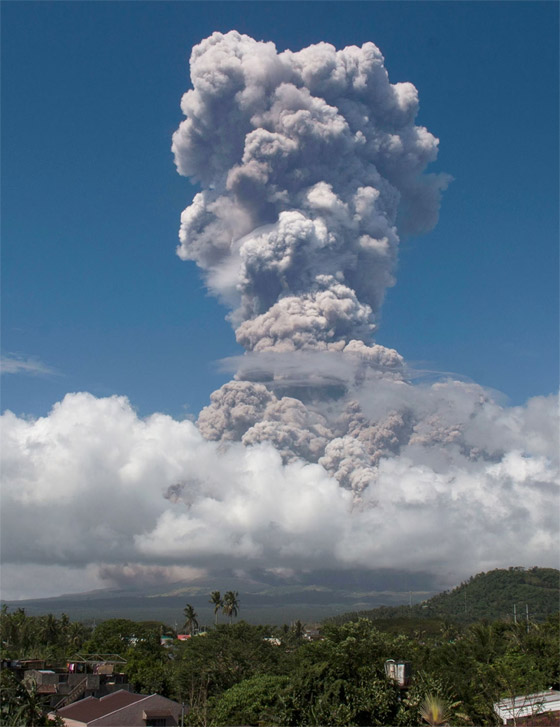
(93, 483)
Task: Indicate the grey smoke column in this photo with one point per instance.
(307, 161)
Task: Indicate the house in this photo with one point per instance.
(273, 640)
(312, 632)
(538, 710)
(399, 671)
(121, 709)
(94, 675)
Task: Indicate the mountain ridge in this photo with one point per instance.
(515, 592)
(371, 595)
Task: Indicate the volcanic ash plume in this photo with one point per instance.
(307, 160)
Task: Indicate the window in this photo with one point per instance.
(156, 722)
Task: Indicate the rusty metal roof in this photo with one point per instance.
(90, 708)
(96, 659)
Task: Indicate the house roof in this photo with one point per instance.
(96, 659)
(528, 705)
(90, 708)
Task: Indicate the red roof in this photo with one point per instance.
(90, 708)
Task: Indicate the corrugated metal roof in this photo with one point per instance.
(90, 708)
(527, 705)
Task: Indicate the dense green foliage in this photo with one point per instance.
(20, 706)
(251, 701)
(257, 675)
(56, 640)
(208, 665)
(147, 662)
(490, 596)
(40, 637)
(231, 676)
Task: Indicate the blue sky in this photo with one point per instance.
(92, 288)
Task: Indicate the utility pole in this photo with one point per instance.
(514, 613)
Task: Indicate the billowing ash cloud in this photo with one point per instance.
(307, 160)
(321, 452)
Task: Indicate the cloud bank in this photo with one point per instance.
(474, 487)
(321, 452)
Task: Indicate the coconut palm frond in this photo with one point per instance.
(434, 710)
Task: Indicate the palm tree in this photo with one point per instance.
(483, 638)
(190, 618)
(21, 706)
(216, 601)
(76, 634)
(231, 604)
(49, 629)
(298, 630)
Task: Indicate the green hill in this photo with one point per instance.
(490, 596)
